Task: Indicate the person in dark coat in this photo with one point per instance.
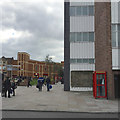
(7, 86)
(40, 83)
(13, 86)
(62, 81)
(3, 87)
(48, 83)
(18, 82)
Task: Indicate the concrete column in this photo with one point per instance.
(66, 47)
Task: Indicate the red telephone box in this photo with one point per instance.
(99, 84)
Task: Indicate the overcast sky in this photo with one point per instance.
(33, 27)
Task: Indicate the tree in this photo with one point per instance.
(48, 59)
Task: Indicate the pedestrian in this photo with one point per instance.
(29, 80)
(19, 80)
(48, 83)
(7, 87)
(13, 86)
(40, 83)
(44, 81)
(3, 86)
(62, 80)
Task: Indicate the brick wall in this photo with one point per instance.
(103, 48)
(28, 67)
(15, 72)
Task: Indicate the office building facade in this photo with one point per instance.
(91, 43)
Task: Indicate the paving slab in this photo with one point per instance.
(57, 100)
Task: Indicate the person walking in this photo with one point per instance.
(18, 81)
(48, 83)
(3, 86)
(62, 80)
(13, 86)
(40, 83)
(7, 86)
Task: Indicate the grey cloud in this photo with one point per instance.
(36, 20)
(46, 30)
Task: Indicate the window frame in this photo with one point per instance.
(82, 61)
(82, 37)
(115, 28)
(75, 11)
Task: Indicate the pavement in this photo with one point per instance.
(30, 99)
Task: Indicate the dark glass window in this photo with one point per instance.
(84, 10)
(72, 11)
(73, 60)
(113, 27)
(85, 60)
(119, 39)
(91, 61)
(85, 36)
(79, 10)
(91, 37)
(91, 10)
(72, 37)
(35, 67)
(113, 39)
(79, 60)
(79, 37)
(118, 27)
